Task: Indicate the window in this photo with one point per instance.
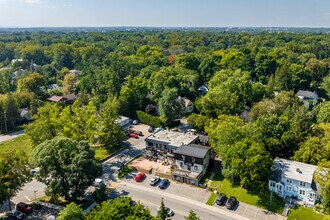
(165, 147)
(288, 180)
(279, 187)
(181, 164)
(302, 184)
(193, 160)
(272, 184)
(183, 157)
(288, 188)
(196, 167)
(157, 145)
(150, 144)
(302, 192)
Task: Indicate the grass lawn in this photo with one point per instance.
(84, 204)
(101, 153)
(254, 197)
(21, 143)
(304, 213)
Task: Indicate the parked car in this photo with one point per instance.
(23, 207)
(164, 183)
(9, 217)
(98, 182)
(138, 133)
(150, 129)
(135, 122)
(168, 210)
(18, 214)
(231, 202)
(221, 199)
(133, 135)
(139, 177)
(154, 180)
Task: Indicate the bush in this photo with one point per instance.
(149, 119)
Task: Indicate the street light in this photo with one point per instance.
(5, 116)
(35, 194)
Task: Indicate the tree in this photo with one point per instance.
(162, 212)
(322, 177)
(120, 209)
(67, 167)
(326, 85)
(198, 121)
(191, 216)
(14, 173)
(323, 116)
(8, 112)
(71, 212)
(100, 194)
(69, 83)
(32, 83)
(169, 108)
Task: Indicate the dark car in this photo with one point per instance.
(221, 199)
(164, 183)
(17, 214)
(150, 129)
(23, 207)
(154, 180)
(9, 217)
(231, 202)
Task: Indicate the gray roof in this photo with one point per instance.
(307, 94)
(172, 138)
(292, 170)
(193, 150)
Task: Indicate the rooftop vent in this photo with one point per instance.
(298, 170)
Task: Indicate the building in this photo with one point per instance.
(76, 72)
(186, 106)
(165, 142)
(293, 181)
(67, 99)
(202, 90)
(24, 114)
(191, 162)
(309, 98)
(124, 123)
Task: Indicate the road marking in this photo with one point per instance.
(28, 198)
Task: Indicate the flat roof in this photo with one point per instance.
(193, 150)
(173, 138)
(294, 170)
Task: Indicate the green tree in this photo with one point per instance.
(8, 112)
(69, 83)
(191, 216)
(323, 116)
(198, 121)
(14, 173)
(169, 108)
(32, 83)
(326, 85)
(100, 194)
(162, 212)
(67, 167)
(120, 209)
(71, 212)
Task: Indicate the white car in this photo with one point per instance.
(169, 211)
(154, 180)
(135, 122)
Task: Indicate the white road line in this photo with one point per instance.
(28, 198)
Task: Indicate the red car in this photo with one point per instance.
(23, 207)
(133, 135)
(139, 177)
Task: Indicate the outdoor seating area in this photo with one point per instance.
(152, 165)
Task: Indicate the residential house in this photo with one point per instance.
(202, 90)
(309, 98)
(67, 99)
(164, 142)
(293, 181)
(187, 106)
(124, 123)
(24, 114)
(191, 162)
(76, 72)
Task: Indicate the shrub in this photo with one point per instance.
(149, 119)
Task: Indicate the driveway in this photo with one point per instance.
(10, 136)
(180, 189)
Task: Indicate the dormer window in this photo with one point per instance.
(303, 184)
(288, 180)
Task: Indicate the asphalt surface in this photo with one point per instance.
(11, 136)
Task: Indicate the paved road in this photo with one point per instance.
(180, 205)
(11, 136)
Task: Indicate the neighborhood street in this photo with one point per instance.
(10, 136)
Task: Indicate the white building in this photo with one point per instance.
(293, 181)
(308, 97)
(124, 123)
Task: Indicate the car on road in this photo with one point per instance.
(23, 207)
(164, 183)
(18, 214)
(139, 177)
(231, 202)
(135, 122)
(221, 199)
(154, 180)
(133, 135)
(168, 210)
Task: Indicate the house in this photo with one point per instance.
(67, 99)
(186, 105)
(76, 72)
(309, 98)
(202, 90)
(124, 123)
(293, 181)
(165, 142)
(191, 163)
(24, 114)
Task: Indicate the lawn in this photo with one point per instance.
(21, 143)
(304, 213)
(256, 197)
(101, 153)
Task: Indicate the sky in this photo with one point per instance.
(165, 13)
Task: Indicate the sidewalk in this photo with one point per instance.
(10, 136)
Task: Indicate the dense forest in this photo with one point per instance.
(141, 74)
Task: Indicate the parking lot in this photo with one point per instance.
(188, 191)
(43, 213)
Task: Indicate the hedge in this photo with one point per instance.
(149, 119)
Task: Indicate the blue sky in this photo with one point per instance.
(168, 13)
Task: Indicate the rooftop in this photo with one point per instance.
(307, 94)
(55, 98)
(193, 150)
(292, 170)
(173, 138)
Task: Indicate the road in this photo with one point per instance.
(180, 205)
(11, 136)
